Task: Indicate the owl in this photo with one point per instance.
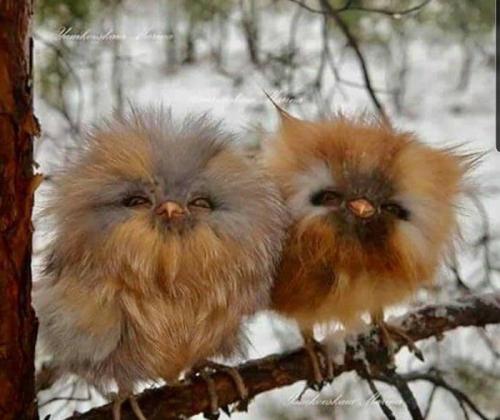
(164, 239)
(373, 214)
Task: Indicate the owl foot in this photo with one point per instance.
(315, 350)
(238, 382)
(390, 331)
(205, 372)
(119, 399)
(213, 414)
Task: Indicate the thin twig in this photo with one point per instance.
(406, 394)
(437, 380)
(376, 393)
(430, 400)
(349, 7)
(353, 42)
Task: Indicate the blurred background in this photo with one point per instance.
(427, 64)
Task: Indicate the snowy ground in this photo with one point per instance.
(434, 109)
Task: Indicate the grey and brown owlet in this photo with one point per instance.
(164, 239)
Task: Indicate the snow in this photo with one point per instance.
(436, 111)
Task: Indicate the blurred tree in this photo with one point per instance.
(170, 10)
(250, 25)
(198, 13)
(74, 14)
(468, 20)
(55, 75)
(117, 66)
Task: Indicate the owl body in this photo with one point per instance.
(373, 214)
(164, 240)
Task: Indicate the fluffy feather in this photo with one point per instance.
(125, 297)
(337, 266)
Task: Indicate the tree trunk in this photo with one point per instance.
(17, 127)
(171, 29)
(190, 49)
(251, 30)
(117, 66)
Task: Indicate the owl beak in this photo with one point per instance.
(362, 208)
(170, 210)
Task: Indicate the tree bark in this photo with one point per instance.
(17, 183)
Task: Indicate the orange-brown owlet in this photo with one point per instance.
(373, 209)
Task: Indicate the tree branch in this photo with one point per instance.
(406, 394)
(434, 378)
(348, 7)
(279, 370)
(353, 43)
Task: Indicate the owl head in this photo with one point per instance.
(156, 205)
(365, 198)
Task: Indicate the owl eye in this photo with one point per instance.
(135, 201)
(396, 210)
(328, 198)
(201, 202)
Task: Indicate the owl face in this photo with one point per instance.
(171, 180)
(148, 196)
(365, 198)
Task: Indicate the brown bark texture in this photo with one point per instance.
(18, 126)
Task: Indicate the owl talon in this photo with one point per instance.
(119, 399)
(213, 414)
(313, 357)
(117, 407)
(136, 408)
(315, 349)
(242, 406)
(395, 331)
(389, 331)
(315, 386)
(241, 388)
(329, 364)
(204, 372)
